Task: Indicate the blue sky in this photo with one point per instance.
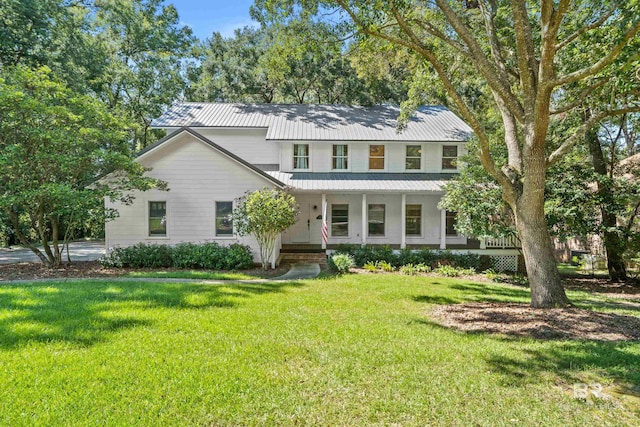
(206, 16)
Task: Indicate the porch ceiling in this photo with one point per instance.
(402, 182)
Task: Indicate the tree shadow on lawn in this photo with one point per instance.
(85, 313)
(473, 292)
(572, 361)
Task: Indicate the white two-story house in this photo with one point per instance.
(380, 186)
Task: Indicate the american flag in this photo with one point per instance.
(325, 228)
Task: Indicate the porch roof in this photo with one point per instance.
(345, 182)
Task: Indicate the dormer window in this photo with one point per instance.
(340, 157)
(301, 156)
(376, 157)
(450, 157)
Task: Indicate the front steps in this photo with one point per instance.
(302, 257)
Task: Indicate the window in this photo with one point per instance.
(157, 219)
(340, 157)
(414, 157)
(449, 157)
(224, 224)
(376, 220)
(339, 220)
(413, 220)
(376, 157)
(451, 224)
(301, 156)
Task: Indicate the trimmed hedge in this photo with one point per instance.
(372, 254)
(210, 256)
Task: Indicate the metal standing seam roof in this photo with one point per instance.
(306, 122)
(408, 182)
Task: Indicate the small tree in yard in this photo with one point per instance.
(264, 214)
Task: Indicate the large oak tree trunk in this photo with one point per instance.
(537, 248)
(544, 279)
(614, 243)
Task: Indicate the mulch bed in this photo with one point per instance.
(93, 269)
(520, 320)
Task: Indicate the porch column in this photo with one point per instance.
(324, 218)
(364, 219)
(443, 229)
(403, 222)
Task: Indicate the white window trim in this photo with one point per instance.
(386, 223)
(415, 236)
(386, 157)
(167, 214)
(349, 162)
(421, 159)
(215, 213)
(293, 157)
(457, 169)
(330, 220)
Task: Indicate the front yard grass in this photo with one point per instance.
(357, 350)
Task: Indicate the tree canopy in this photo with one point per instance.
(56, 147)
(532, 62)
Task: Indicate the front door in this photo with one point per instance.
(301, 230)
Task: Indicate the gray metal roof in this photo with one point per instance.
(377, 182)
(305, 122)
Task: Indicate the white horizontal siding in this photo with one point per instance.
(197, 176)
(248, 144)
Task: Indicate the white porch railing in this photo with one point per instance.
(499, 242)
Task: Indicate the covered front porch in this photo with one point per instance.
(398, 219)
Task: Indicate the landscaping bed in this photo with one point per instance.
(93, 269)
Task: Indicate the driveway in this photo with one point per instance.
(79, 251)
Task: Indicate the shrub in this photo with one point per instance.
(447, 271)
(384, 266)
(342, 263)
(408, 269)
(370, 267)
(368, 254)
(210, 256)
(423, 268)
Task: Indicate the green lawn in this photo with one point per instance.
(351, 351)
(192, 274)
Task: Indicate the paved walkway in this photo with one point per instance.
(79, 251)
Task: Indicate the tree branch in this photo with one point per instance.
(586, 28)
(566, 146)
(581, 97)
(483, 65)
(524, 51)
(602, 63)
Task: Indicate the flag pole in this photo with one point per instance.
(325, 229)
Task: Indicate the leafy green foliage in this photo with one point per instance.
(264, 214)
(209, 256)
(300, 62)
(374, 255)
(57, 149)
(342, 263)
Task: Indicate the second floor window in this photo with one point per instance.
(376, 157)
(414, 157)
(340, 157)
(449, 157)
(301, 156)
